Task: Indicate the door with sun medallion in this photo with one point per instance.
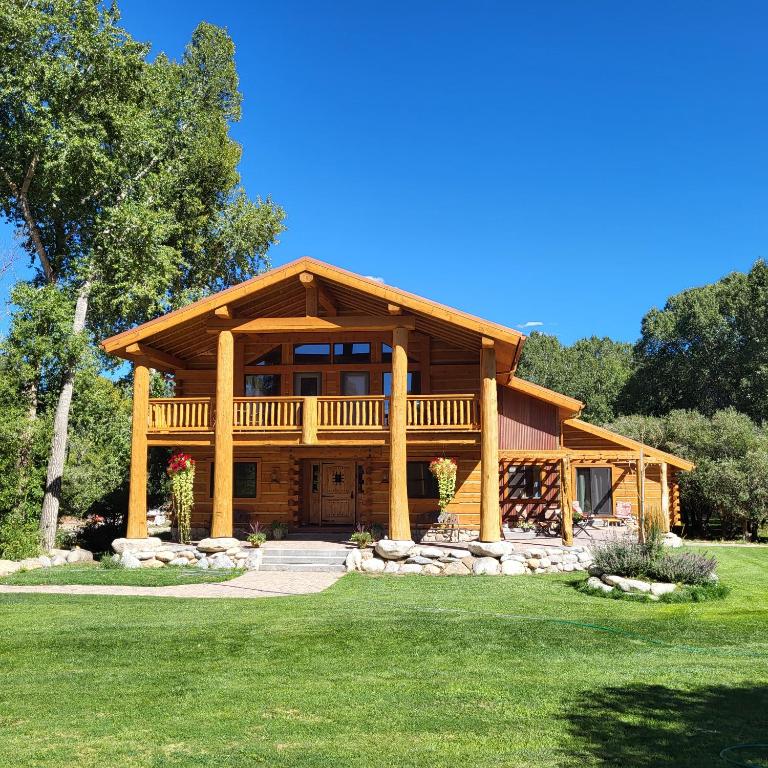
(337, 505)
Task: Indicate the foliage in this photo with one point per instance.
(18, 537)
(593, 370)
(278, 530)
(256, 537)
(377, 531)
(444, 471)
(706, 350)
(693, 593)
(181, 471)
(110, 562)
(362, 538)
(684, 568)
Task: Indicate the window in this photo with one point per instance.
(243, 479)
(352, 352)
(273, 357)
(308, 354)
(262, 385)
(593, 490)
(414, 383)
(307, 384)
(355, 384)
(524, 482)
(422, 484)
(386, 353)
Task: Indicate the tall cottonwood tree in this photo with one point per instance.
(121, 175)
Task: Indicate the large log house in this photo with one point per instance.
(317, 397)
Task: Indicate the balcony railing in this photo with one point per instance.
(331, 414)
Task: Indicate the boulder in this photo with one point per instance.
(495, 549)
(662, 588)
(584, 557)
(392, 549)
(45, 561)
(220, 560)
(637, 585)
(419, 560)
(144, 554)
(78, 555)
(512, 568)
(181, 561)
(151, 542)
(58, 560)
(8, 566)
(354, 560)
(129, 560)
(431, 552)
(202, 564)
(456, 568)
(221, 544)
(152, 563)
(431, 570)
(407, 568)
(29, 564)
(391, 566)
(672, 540)
(253, 560)
(373, 565)
(596, 583)
(567, 567)
(612, 579)
(544, 562)
(485, 566)
(165, 555)
(535, 552)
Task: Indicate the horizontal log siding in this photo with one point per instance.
(527, 422)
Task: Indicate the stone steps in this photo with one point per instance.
(309, 560)
(304, 567)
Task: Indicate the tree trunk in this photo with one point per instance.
(49, 515)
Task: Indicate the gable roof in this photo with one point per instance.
(628, 442)
(570, 404)
(276, 294)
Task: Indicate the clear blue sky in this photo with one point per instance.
(565, 163)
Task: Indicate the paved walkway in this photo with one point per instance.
(249, 585)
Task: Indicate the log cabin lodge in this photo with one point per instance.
(318, 397)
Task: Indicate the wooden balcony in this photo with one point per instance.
(316, 415)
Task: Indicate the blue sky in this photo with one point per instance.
(564, 163)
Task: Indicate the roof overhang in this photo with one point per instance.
(569, 405)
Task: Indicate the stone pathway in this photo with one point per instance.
(249, 585)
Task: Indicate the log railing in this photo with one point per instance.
(442, 412)
(265, 414)
(287, 414)
(180, 414)
(339, 413)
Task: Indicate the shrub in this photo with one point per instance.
(624, 557)
(377, 531)
(110, 562)
(361, 538)
(19, 537)
(278, 530)
(684, 568)
(256, 537)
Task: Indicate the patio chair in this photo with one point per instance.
(548, 524)
(584, 521)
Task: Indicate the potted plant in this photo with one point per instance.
(444, 471)
(256, 537)
(362, 538)
(278, 530)
(181, 473)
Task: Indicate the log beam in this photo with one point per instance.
(224, 313)
(399, 518)
(221, 519)
(313, 324)
(159, 359)
(309, 421)
(566, 502)
(309, 282)
(666, 520)
(490, 513)
(137, 498)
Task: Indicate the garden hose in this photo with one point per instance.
(731, 760)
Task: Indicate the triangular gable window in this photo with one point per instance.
(273, 357)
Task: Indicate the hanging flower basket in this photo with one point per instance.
(444, 471)
(181, 471)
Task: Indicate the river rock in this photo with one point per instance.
(431, 552)
(220, 560)
(121, 545)
(391, 566)
(182, 561)
(456, 568)
(202, 564)
(8, 566)
(374, 565)
(662, 588)
(354, 560)
(78, 555)
(165, 555)
(637, 585)
(431, 570)
(596, 583)
(512, 568)
(420, 560)
(129, 560)
(221, 544)
(485, 566)
(392, 549)
(495, 549)
(58, 560)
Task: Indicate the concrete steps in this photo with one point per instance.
(308, 560)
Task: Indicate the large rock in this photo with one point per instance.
(166, 556)
(221, 544)
(662, 588)
(45, 561)
(152, 563)
(393, 549)
(456, 568)
(391, 566)
(431, 570)
(637, 585)
(202, 564)
(132, 545)
(78, 555)
(129, 560)
(373, 565)
(30, 563)
(672, 540)
(410, 568)
(354, 560)
(8, 566)
(596, 583)
(431, 552)
(182, 561)
(253, 560)
(58, 560)
(495, 549)
(485, 566)
(419, 560)
(220, 560)
(513, 568)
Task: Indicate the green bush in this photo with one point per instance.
(110, 562)
(19, 537)
(683, 568)
(361, 538)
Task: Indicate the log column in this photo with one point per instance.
(666, 521)
(137, 499)
(399, 519)
(566, 500)
(221, 520)
(490, 513)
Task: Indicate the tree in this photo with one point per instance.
(706, 350)
(121, 174)
(592, 370)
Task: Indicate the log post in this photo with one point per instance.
(310, 284)
(309, 421)
(640, 497)
(666, 521)
(399, 518)
(137, 498)
(490, 513)
(221, 519)
(566, 500)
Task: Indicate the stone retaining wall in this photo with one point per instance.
(478, 559)
(208, 553)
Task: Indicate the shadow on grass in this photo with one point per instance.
(654, 726)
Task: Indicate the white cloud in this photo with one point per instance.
(531, 324)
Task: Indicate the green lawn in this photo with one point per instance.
(93, 573)
(388, 672)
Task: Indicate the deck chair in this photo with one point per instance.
(585, 520)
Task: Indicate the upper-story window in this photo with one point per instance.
(352, 352)
(386, 353)
(262, 385)
(273, 357)
(311, 354)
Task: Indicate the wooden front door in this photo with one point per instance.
(337, 505)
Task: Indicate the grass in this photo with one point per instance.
(387, 672)
(93, 573)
